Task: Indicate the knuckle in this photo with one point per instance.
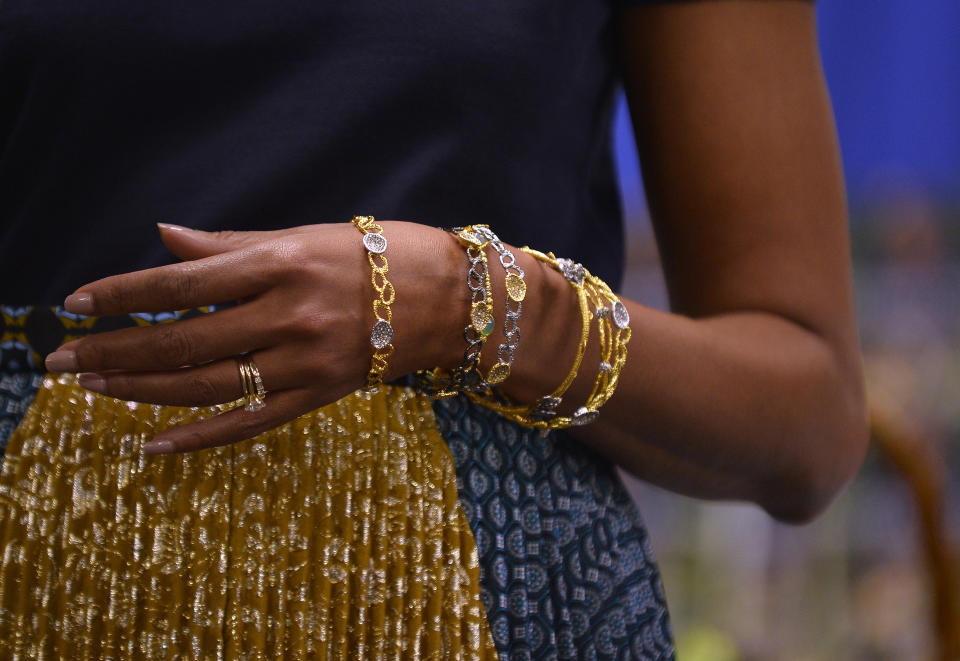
(92, 355)
(119, 386)
(114, 296)
(202, 390)
(249, 425)
(183, 288)
(175, 346)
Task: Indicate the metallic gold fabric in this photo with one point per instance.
(336, 536)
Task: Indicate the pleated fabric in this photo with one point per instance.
(335, 536)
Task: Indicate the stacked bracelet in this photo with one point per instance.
(466, 376)
(543, 413)
(381, 335)
(613, 331)
(516, 288)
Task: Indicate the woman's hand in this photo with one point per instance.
(305, 315)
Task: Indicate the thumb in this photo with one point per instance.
(187, 243)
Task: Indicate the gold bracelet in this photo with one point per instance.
(613, 329)
(542, 414)
(381, 335)
(441, 383)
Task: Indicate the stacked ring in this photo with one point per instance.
(253, 391)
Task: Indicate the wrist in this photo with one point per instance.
(429, 269)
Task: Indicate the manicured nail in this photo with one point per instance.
(174, 228)
(81, 303)
(158, 447)
(62, 361)
(92, 381)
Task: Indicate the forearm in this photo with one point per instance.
(747, 405)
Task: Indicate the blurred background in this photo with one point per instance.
(874, 578)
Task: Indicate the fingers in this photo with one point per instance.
(189, 244)
(281, 368)
(166, 346)
(233, 426)
(225, 277)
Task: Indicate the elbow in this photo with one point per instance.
(824, 466)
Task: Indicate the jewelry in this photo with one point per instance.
(442, 383)
(541, 414)
(252, 383)
(516, 288)
(381, 335)
(613, 329)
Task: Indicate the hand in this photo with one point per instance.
(305, 317)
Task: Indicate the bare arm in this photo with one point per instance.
(753, 388)
(750, 388)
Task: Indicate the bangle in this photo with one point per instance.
(542, 414)
(516, 288)
(442, 383)
(613, 329)
(381, 335)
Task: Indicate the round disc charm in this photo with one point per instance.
(584, 416)
(382, 333)
(620, 315)
(498, 373)
(375, 242)
(480, 316)
(516, 287)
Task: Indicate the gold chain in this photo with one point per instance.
(381, 335)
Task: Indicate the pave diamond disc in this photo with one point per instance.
(470, 237)
(620, 315)
(498, 373)
(375, 242)
(516, 287)
(382, 333)
(571, 270)
(480, 316)
(584, 416)
(605, 367)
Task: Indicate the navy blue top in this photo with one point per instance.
(257, 114)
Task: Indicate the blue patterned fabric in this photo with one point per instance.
(566, 567)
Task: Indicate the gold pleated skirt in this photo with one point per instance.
(335, 536)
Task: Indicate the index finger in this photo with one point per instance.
(225, 277)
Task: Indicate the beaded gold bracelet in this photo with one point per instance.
(381, 335)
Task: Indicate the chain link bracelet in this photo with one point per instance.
(381, 335)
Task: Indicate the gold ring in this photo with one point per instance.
(252, 383)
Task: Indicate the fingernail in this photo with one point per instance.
(92, 381)
(158, 447)
(174, 228)
(62, 361)
(81, 303)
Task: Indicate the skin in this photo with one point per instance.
(751, 388)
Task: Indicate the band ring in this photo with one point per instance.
(252, 383)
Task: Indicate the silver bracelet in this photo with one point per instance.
(516, 288)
